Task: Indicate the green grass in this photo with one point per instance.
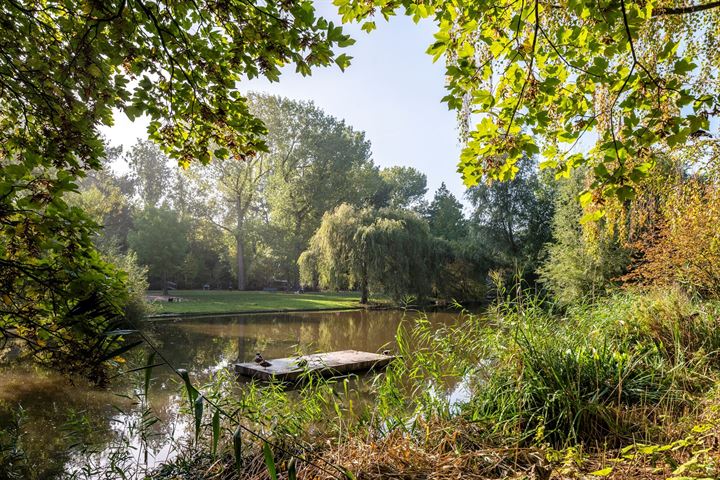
(199, 301)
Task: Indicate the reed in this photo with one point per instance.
(543, 387)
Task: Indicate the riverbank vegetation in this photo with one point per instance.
(623, 387)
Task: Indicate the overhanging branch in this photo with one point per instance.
(684, 10)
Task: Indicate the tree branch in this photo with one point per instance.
(658, 12)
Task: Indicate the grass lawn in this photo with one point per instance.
(200, 301)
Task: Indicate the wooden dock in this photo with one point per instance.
(328, 364)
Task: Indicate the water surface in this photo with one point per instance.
(55, 418)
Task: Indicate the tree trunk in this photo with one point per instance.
(164, 283)
(364, 291)
(298, 251)
(239, 251)
(239, 247)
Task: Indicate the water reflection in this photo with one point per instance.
(57, 414)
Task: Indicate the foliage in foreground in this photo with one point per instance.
(637, 77)
(66, 65)
(619, 387)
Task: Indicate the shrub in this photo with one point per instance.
(601, 373)
(684, 248)
(135, 307)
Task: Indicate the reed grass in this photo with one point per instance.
(548, 391)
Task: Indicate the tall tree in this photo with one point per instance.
(445, 215)
(160, 240)
(232, 192)
(150, 172)
(405, 186)
(317, 160)
(106, 198)
(582, 258)
(513, 219)
(66, 66)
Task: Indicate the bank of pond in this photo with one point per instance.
(621, 387)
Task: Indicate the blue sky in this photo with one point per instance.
(391, 91)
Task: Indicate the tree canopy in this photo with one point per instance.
(65, 67)
(627, 78)
(512, 219)
(445, 215)
(405, 186)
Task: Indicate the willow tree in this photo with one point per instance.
(65, 67)
(384, 251)
(608, 84)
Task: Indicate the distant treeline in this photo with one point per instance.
(316, 199)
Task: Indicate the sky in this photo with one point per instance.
(391, 91)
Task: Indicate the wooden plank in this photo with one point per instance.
(328, 364)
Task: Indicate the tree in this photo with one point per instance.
(513, 219)
(233, 191)
(405, 186)
(683, 247)
(317, 163)
(208, 259)
(582, 258)
(388, 251)
(160, 240)
(150, 173)
(66, 66)
(445, 215)
(106, 198)
(542, 76)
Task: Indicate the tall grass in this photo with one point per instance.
(596, 374)
(621, 369)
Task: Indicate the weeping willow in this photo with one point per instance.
(379, 251)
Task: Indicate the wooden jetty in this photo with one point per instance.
(328, 364)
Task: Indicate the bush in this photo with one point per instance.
(684, 248)
(136, 307)
(601, 373)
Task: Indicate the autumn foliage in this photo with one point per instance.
(684, 246)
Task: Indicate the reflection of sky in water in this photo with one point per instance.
(203, 346)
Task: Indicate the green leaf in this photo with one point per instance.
(198, 413)
(237, 449)
(292, 471)
(215, 430)
(602, 473)
(343, 61)
(192, 393)
(585, 199)
(269, 461)
(368, 27)
(625, 192)
(221, 153)
(119, 351)
(683, 66)
(592, 216)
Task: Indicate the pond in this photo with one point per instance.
(54, 418)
